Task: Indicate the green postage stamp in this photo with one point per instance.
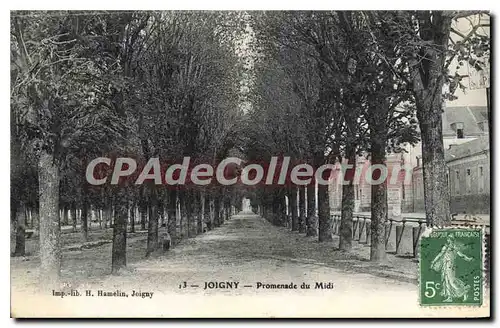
(451, 267)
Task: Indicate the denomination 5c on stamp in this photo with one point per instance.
(451, 267)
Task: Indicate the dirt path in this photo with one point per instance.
(245, 251)
(248, 249)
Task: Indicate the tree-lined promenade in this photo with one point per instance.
(85, 84)
(317, 87)
(279, 171)
(226, 257)
(329, 86)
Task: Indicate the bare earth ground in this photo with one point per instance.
(246, 249)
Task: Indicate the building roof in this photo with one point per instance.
(470, 116)
(467, 149)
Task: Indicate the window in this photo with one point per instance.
(457, 182)
(460, 130)
(480, 179)
(403, 190)
(468, 181)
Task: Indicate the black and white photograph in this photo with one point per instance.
(250, 163)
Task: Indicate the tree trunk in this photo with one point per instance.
(311, 219)
(119, 248)
(20, 220)
(325, 222)
(293, 207)
(108, 212)
(274, 210)
(172, 215)
(195, 196)
(178, 215)
(201, 216)
(36, 218)
(182, 213)
(73, 216)
(279, 208)
(217, 210)
(211, 209)
(99, 217)
(188, 205)
(345, 242)
(436, 192)
(143, 209)
(270, 212)
(378, 198)
(222, 202)
(227, 209)
(182, 209)
(222, 212)
(282, 217)
(65, 220)
(161, 212)
(325, 232)
(85, 218)
(132, 217)
(152, 243)
(50, 243)
(92, 215)
(29, 218)
(302, 209)
(208, 212)
(427, 79)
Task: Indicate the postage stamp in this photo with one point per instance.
(451, 267)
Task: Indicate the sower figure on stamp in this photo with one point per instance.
(444, 262)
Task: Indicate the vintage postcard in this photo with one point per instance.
(250, 164)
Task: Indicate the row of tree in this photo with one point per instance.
(329, 86)
(143, 84)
